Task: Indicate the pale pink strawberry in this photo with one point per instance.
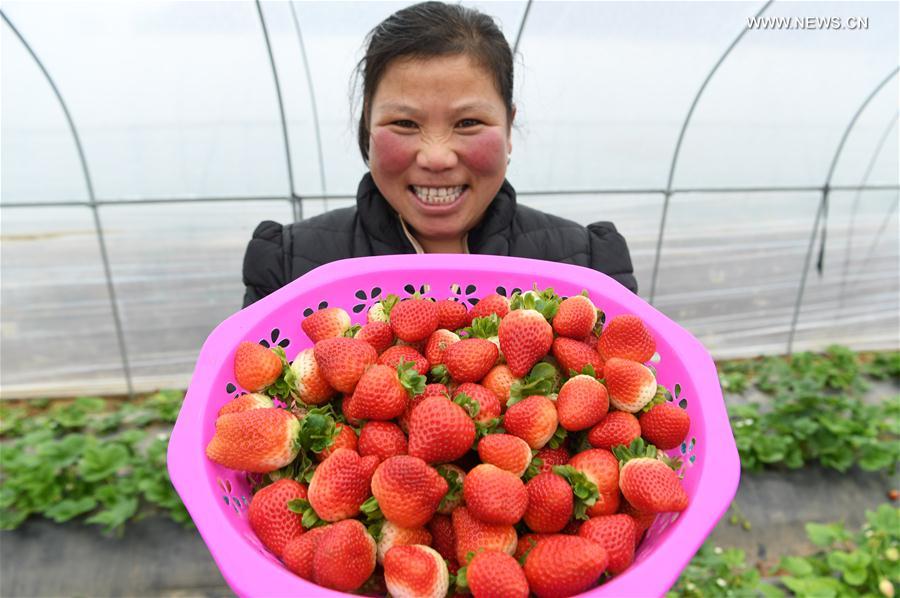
(626, 337)
(246, 402)
(377, 334)
(311, 386)
(582, 403)
(452, 315)
(575, 318)
(414, 319)
(438, 343)
(342, 361)
(400, 354)
(415, 572)
(258, 440)
(330, 322)
(256, 367)
(506, 452)
(525, 338)
(631, 385)
(394, 535)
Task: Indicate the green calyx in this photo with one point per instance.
(482, 429)
(587, 370)
(662, 396)
(542, 380)
(318, 429)
(374, 517)
(534, 468)
(585, 491)
(558, 438)
(286, 384)
(388, 303)
(310, 518)
(471, 406)
(454, 485)
(352, 331)
(545, 302)
(439, 374)
(410, 378)
(638, 449)
(485, 327)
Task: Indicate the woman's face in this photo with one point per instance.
(439, 144)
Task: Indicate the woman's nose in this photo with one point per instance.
(436, 156)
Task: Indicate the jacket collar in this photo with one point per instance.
(381, 221)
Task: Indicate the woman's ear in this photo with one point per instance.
(512, 118)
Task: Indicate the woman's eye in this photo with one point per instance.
(469, 122)
(404, 123)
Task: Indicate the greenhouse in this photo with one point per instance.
(747, 153)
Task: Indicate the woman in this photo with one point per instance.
(434, 131)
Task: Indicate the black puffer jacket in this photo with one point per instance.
(280, 254)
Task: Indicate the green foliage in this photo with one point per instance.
(717, 572)
(88, 457)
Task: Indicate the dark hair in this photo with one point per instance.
(429, 30)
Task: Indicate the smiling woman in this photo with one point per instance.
(435, 132)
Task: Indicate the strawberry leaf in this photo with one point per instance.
(286, 384)
(374, 517)
(318, 429)
(459, 580)
(541, 380)
(559, 437)
(636, 450)
(454, 485)
(388, 304)
(662, 396)
(310, 518)
(471, 406)
(440, 375)
(410, 378)
(353, 331)
(482, 429)
(534, 468)
(485, 327)
(585, 491)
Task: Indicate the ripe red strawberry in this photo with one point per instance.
(443, 538)
(631, 385)
(602, 469)
(582, 403)
(626, 337)
(300, 552)
(665, 425)
(452, 315)
(377, 334)
(330, 322)
(381, 439)
(494, 495)
(549, 458)
(525, 338)
(414, 319)
(648, 483)
(255, 366)
(246, 402)
(383, 392)
(506, 452)
(345, 556)
(496, 575)
(617, 534)
(431, 390)
(311, 387)
(345, 438)
(562, 566)
(575, 318)
(342, 361)
(408, 490)
(526, 543)
(456, 479)
(348, 409)
(415, 571)
(340, 484)
(472, 536)
(550, 503)
(440, 431)
(618, 427)
(490, 304)
(499, 380)
(532, 419)
(394, 535)
(470, 359)
(258, 441)
(642, 520)
(574, 355)
(400, 354)
(270, 519)
(438, 343)
(488, 405)
(592, 341)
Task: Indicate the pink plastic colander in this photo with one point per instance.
(217, 498)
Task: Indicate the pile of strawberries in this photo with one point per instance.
(502, 451)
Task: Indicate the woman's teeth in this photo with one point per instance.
(438, 195)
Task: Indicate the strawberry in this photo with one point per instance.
(615, 533)
(257, 441)
(665, 425)
(381, 311)
(345, 556)
(574, 356)
(601, 468)
(626, 337)
(438, 343)
(526, 543)
(490, 304)
(494, 495)
(345, 437)
(472, 535)
(431, 390)
(456, 479)
(348, 409)
(582, 403)
(575, 318)
(592, 340)
(642, 520)
(631, 385)
(525, 338)
(561, 566)
(415, 572)
(550, 503)
(408, 491)
(533, 419)
(546, 459)
(649, 484)
(400, 354)
(342, 361)
(340, 484)
(495, 575)
(443, 538)
(377, 334)
(381, 439)
(246, 402)
(414, 319)
(618, 427)
(300, 552)
(452, 315)
(383, 392)
(499, 380)
(270, 519)
(255, 366)
(440, 431)
(330, 322)
(394, 535)
(310, 385)
(470, 359)
(488, 405)
(506, 452)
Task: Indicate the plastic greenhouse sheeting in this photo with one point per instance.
(176, 101)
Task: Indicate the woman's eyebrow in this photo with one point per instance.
(404, 109)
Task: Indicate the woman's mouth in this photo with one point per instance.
(438, 196)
